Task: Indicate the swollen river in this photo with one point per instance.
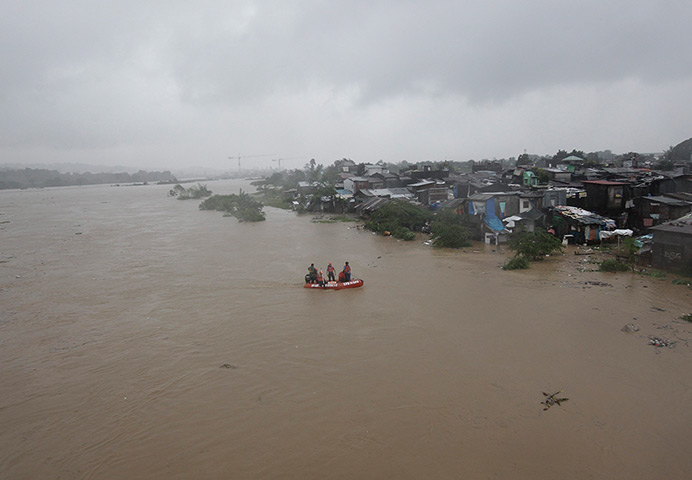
(143, 338)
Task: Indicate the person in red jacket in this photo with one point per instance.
(347, 272)
(330, 272)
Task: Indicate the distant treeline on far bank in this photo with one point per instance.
(40, 177)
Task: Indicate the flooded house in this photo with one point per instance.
(609, 198)
(654, 210)
(527, 221)
(579, 225)
(486, 211)
(430, 191)
(672, 245)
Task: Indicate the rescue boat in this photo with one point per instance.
(355, 283)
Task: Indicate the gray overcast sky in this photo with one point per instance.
(169, 84)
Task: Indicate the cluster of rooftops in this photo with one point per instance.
(574, 200)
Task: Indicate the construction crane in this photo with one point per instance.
(278, 160)
(238, 157)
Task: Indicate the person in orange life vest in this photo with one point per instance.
(347, 272)
(320, 279)
(330, 272)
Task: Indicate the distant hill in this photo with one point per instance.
(682, 152)
(41, 177)
(71, 167)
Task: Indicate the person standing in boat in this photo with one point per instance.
(330, 272)
(347, 272)
(312, 274)
(320, 279)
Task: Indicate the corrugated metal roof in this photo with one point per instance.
(667, 201)
(373, 204)
(423, 183)
(681, 225)
(582, 216)
(603, 182)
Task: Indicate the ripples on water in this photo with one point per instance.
(143, 338)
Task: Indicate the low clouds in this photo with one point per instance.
(176, 83)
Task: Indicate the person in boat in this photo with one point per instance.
(347, 272)
(311, 277)
(320, 278)
(330, 272)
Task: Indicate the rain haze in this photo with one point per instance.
(178, 84)
(146, 337)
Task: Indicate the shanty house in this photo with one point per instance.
(606, 196)
(582, 225)
(487, 211)
(672, 248)
(354, 184)
(660, 209)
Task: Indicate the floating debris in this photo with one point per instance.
(598, 284)
(228, 365)
(661, 342)
(629, 328)
(553, 399)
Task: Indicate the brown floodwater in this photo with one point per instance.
(143, 338)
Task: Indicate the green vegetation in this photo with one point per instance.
(273, 197)
(653, 273)
(680, 281)
(687, 317)
(517, 262)
(400, 218)
(530, 246)
(534, 245)
(323, 198)
(613, 265)
(242, 206)
(449, 231)
(629, 251)
(194, 192)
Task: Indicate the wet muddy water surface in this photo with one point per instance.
(143, 338)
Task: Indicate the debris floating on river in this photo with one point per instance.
(661, 342)
(553, 399)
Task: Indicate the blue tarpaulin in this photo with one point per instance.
(494, 223)
(490, 219)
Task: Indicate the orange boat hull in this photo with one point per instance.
(355, 283)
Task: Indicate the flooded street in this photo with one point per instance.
(143, 338)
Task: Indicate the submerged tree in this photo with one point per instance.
(242, 206)
(194, 192)
(449, 231)
(534, 245)
(400, 218)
